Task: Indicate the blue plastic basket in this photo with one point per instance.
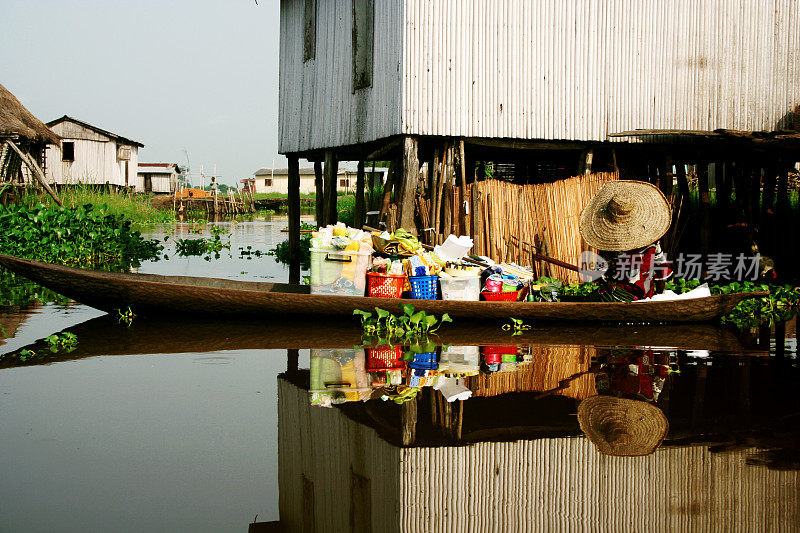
(423, 287)
(424, 361)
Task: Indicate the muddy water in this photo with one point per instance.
(172, 425)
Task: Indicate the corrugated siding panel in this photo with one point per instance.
(581, 69)
(317, 107)
(325, 446)
(565, 485)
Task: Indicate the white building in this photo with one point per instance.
(158, 177)
(91, 155)
(269, 180)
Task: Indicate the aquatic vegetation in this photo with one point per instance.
(517, 325)
(281, 250)
(17, 290)
(57, 343)
(82, 236)
(125, 316)
(410, 328)
(214, 245)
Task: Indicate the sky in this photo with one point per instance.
(179, 76)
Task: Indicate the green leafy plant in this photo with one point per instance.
(411, 327)
(517, 325)
(214, 245)
(82, 236)
(126, 316)
(63, 342)
(281, 250)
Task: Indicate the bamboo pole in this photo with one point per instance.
(36, 171)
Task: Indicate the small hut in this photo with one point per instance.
(23, 140)
(92, 155)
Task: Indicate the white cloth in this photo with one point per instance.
(452, 389)
(454, 248)
(699, 292)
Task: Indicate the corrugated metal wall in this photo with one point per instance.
(328, 449)
(317, 107)
(581, 69)
(563, 484)
(554, 484)
(541, 69)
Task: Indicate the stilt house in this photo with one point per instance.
(23, 139)
(532, 92)
(91, 155)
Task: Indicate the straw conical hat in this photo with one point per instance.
(625, 215)
(622, 427)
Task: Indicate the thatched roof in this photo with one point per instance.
(15, 119)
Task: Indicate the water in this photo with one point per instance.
(172, 425)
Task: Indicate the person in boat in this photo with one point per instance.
(624, 222)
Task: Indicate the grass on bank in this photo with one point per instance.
(135, 207)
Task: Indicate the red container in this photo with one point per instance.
(384, 358)
(385, 285)
(499, 350)
(510, 296)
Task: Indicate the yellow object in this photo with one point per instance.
(340, 232)
(353, 247)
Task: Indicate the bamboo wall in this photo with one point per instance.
(545, 214)
(550, 365)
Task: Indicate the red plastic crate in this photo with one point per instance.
(384, 358)
(510, 296)
(385, 285)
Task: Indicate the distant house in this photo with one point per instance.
(267, 180)
(158, 177)
(91, 155)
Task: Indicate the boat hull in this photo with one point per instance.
(151, 294)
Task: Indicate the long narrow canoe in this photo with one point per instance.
(150, 294)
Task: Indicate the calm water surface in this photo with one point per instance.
(173, 425)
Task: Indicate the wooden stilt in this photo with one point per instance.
(294, 219)
(320, 199)
(36, 171)
(408, 184)
(331, 171)
(408, 416)
(358, 211)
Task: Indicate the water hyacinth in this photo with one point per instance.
(82, 236)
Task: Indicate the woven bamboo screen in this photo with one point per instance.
(545, 214)
(550, 365)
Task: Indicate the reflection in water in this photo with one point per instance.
(717, 438)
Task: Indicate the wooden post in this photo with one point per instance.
(294, 219)
(358, 212)
(705, 206)
(408, 184)
(462, 197)
(408, 416)
(387, 190)
(292, 361)
(320, 199)
(331, 171)
(476, 218)
(36, 171)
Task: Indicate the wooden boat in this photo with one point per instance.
(104, 336)
(150, 294)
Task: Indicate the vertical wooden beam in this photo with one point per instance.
(462, 197)
(408, 184)
(320, 200)
(477, 218)
(408, 417)
(705, 207)
(331, 170)
(294, 219)
(358, 212)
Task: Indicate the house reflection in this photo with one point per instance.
(513, 457)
